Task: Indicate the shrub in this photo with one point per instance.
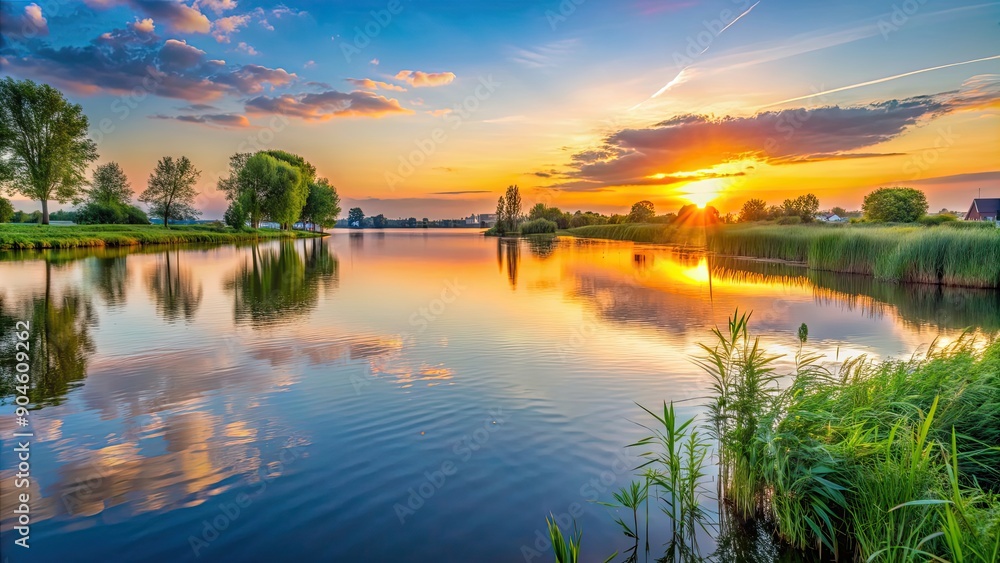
(790, 220)
(895, 205)
(111, 214)
(538, 227)
(135, 216)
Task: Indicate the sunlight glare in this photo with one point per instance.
(702, 192)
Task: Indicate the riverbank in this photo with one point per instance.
(957, 254)
(17, 237)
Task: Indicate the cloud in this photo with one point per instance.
(178, 55)
(227, 120)
(223, 28)
(668, 151)
(463, 192)
(327, 105)
(176, 15)
(546, 56)
(217, 6)
(439, 112)
(248, 49)
(24, 24)
(250, 79)
(373, 62)
(123, 61)
(419, 79)
(369, 84)
(309, 64)
(142, 26)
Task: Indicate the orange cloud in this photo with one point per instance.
(327, 105)
(419, 79)
(369, 84)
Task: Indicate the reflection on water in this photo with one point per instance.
(274, 284)
(168, 382)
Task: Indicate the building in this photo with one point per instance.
(983, 209)
(482, 219)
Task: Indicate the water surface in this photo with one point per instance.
(396, 396)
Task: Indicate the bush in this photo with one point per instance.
(790, 220)
(236, 216)
(895, 205)
(111, 214)
(538, 227)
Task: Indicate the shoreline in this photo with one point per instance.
(15, 237)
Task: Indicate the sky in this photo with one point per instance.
(431, 109)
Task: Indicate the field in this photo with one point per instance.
(13, 237)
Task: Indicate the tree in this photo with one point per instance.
(804, 207)
(171, 190)
(322, 206)
(44, 148)
(508, 211)
(289, 198)
(839, 212)
(378, 221)
(248, 190)
(895, 205)
(110, 186)
(753, 210)
(6, 211)
(641, 212)
(355, 217)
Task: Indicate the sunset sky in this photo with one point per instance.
(430, 109)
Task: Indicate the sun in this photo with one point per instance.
(702, 192)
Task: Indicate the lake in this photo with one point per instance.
(385, 396)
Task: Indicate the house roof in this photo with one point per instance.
(987, 205)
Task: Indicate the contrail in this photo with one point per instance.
(679, 78)
(881, 80)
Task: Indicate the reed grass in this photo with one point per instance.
(967, 257)
(643, 233)
(15, 237)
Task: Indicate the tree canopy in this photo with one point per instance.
(642, 212)
(355, 217)
(110, 186)
(6, 210)
(895, 205)
(44, 148)
(322, 206)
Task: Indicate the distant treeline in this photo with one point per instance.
(381, 222)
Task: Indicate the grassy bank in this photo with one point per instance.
(642, 232)
(863, 461)
(956, 254)
(968, 257)
(14, 237)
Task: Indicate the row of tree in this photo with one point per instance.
(804, 207)
(884, 205)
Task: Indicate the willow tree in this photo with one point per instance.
(44, 148)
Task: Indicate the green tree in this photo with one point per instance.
(512, 208)
(641, 212)
(895, 205)
(251, 186)
(805, 207)
(322, 206)
(753, 210)
(291, 191)
(378, 221)
(6, 211)
(171, 189)
(44, 148)
(355, 217)
(110, 186)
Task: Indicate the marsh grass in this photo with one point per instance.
(643, 233)
(15, 237)
(968, 257)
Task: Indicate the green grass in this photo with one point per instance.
(887, 461)
(967, 257)
(643, 233)
(14, 237)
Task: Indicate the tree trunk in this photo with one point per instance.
(45, 212)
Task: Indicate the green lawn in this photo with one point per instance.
(18, 236)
